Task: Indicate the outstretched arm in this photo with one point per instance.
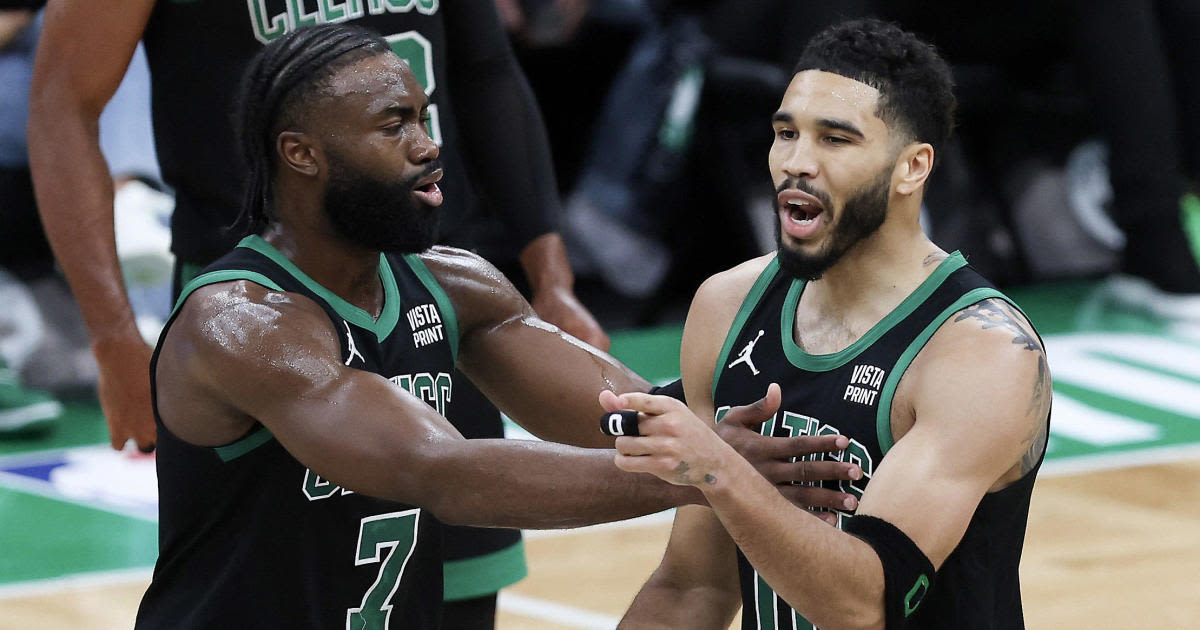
(543, 378)
(979, 424)
(548, 381)
(84, 49)
(239, 353)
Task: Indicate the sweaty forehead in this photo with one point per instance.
(816, 94)
(384, 76)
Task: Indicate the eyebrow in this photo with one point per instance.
(841, 125)
(829, 123)
(401, 111)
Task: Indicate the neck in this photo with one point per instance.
(310, 242)
(877, 273)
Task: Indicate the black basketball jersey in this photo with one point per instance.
(197, 51)
(249, 537)
(850, 393)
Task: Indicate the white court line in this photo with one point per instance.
(561, 614)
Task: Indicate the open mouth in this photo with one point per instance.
(427, 189)
(801, 213)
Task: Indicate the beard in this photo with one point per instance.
(861, 216)
(380, 214)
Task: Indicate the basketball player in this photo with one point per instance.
(875, 333)
(196, 52)
(302, 384)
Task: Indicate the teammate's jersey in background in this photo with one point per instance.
(251, 538)
(850, 393)
(197, 51)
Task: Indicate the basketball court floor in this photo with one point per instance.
(1113, 539)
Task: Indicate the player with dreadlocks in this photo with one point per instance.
(302, 385)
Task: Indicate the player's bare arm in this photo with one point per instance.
(84, 50)
(241, 353)
(696, 585)
(977, 420)
(542, 377)
(548, 381)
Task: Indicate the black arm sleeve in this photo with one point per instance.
(673, 389)
(503, 139)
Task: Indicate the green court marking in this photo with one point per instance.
(45, 538)
(81, 424)
(653, 352)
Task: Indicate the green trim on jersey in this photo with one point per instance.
(349, 312)
(225, 275)
(883, 418)
(230, 452)
(833, 361)
(246, 444)
(483, 575)
(747, 307)
(439, 295)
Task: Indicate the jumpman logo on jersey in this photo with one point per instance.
(744, 355)
(350, 344)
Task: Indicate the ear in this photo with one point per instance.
(913, 167)
(297, 152)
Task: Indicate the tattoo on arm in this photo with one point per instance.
(681, 474)
(996, 313)
(1039, 406)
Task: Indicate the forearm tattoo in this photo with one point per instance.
(996, 313)
(681, 475)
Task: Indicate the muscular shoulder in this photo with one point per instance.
(987, 365)
(713, 310)
(481, 294)
(719, 297)
(235, 347)
(732, 285)
(241, 324)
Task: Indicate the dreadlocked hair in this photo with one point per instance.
(275, 90)
(916, 89)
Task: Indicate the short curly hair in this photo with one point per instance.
(916, 89)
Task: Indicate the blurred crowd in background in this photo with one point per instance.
(1077, 156)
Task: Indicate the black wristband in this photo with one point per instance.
(907, 572)
(673, 389)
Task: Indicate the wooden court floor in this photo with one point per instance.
(1108, 549)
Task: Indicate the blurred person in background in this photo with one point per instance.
(671, 170)
(1089, 165)
(25, 256)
